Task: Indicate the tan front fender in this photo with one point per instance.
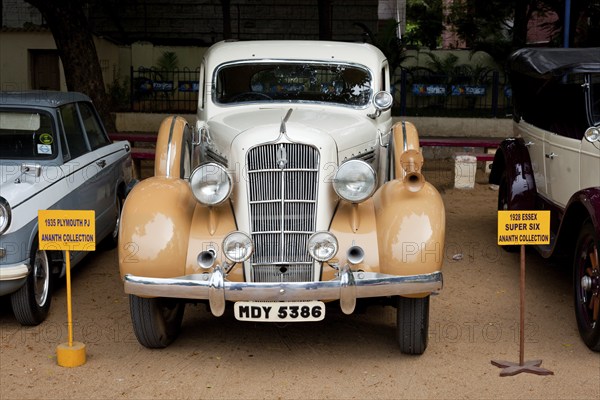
(155, 228)
(173, 148)
(411, 229)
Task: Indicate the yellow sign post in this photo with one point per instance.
(68, 230)
(522, 228)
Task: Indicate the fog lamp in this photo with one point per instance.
(322, 246)
(237, 246)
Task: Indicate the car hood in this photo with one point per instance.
(348, 129)
(17, 187)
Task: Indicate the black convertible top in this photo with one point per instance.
(552, 62)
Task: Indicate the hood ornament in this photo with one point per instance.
(281, 157)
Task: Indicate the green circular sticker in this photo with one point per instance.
(46, 138)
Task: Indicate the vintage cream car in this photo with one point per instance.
(553, 163)
(293, 190)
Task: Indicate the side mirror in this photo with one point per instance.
(592, 134)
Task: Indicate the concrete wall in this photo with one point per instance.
(15, 62)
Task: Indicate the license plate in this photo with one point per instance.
(292, 311)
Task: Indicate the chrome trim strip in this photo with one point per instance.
(12, 272)
(169, 152)
(348, 287)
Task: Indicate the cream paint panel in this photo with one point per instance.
(534, 141)
(562, 167)
(590, 164)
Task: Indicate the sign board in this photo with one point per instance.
(523, 227)
(67, 230)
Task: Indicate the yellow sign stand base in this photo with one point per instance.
(70, 356)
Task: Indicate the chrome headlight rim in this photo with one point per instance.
(340, 181)
(5, 215)
(198, 182)
(383, 100)
(238, 237)
(320, 238)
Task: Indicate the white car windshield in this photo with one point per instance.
(290, 82)
(26, 135)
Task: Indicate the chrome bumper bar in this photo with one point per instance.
(346, 288)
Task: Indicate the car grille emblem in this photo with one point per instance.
(281, 157)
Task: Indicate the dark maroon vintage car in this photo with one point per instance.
(553, 163)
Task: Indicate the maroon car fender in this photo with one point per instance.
(582, 205)
(513, 163)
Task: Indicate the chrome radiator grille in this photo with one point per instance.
(282, 190)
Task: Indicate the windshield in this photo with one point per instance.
(303, 82)
(26, 135)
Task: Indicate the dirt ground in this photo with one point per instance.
(475, 319)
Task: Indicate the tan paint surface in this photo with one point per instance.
(155, 226)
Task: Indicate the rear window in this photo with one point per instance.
(27, 135)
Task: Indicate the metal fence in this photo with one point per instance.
(422, 93)
(154, 90)
(416, 93)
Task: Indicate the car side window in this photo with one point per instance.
(73, 130)
(93, 129)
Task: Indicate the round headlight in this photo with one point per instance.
(210, 184)
(237, 246)
(383, 100)
(5, 215)
(322, 246)
(354, 181)
(592, 134)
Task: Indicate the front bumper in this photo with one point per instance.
(12, 277)
(346, 288)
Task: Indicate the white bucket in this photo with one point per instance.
(465, 168)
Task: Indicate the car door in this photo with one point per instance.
(89, 165)
(561, 156)
(534, 139)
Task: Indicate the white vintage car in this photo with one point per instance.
(292, 191)
(553, 163)
(54, 154)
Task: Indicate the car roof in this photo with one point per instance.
(358, 53)
(41, 98)
(545, 63)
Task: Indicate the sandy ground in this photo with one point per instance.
(475, 319)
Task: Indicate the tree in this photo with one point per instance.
(424, 23)
(77, 51)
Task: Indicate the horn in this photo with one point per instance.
(412, 161)
(206, 259)
(355, 255)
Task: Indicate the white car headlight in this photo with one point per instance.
(237, 246)
(211, 184)
(5, 215)
(354, 181)
(383, 100)
(322, 246)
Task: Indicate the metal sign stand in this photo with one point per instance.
(533, 367)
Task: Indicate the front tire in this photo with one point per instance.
(586, 284)
(31, 302)
(412, 324)
(156, 321)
